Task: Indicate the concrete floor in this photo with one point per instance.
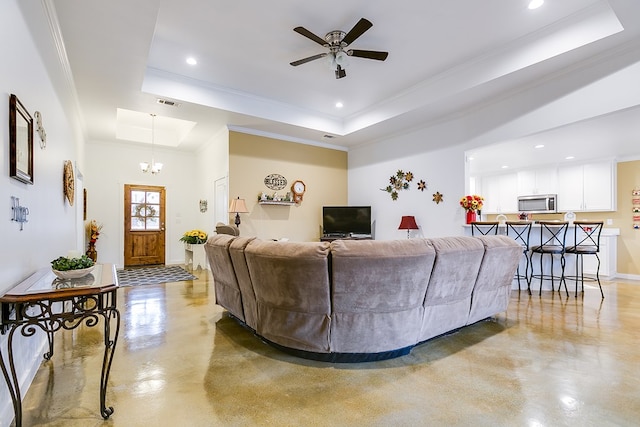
(180, 361)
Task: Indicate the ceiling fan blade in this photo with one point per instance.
(310, 58)
(370, 54)
(357, 30)
(308, 34)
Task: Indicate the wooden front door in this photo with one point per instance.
(144, 215)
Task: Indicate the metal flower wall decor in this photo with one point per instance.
(400, 181)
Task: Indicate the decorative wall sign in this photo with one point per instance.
(19, 212)
(203, 206)
(275, 181)
(635, 202)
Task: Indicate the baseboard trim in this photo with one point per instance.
(628, 276)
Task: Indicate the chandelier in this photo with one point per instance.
(154, 167)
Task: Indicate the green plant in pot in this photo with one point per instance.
(71, 268)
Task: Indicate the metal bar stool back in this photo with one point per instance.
(586, 242)
(484, 228)
(553, 236)
(520, 231)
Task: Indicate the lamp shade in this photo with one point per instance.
(238, 206)
(408, 223)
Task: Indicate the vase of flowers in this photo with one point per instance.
(472, 204)
(93, 231)
(194, 237)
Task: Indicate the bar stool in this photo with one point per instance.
(520, 232)
(553, 235)
(484, 228)
(586, 242)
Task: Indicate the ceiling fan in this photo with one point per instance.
(336, 41)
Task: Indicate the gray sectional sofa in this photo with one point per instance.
(352, 301)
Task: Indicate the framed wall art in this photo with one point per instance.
(20, 142)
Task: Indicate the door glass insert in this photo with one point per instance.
(145, 210)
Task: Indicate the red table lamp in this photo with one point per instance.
(408, 223)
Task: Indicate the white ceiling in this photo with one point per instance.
(446, 57)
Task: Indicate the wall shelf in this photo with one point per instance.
(277, 203)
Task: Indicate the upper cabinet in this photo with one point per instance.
(580, 188)
(538, 181)
(500, 193)
(587, 187)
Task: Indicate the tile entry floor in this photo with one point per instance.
(180, 361)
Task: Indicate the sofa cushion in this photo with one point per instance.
(378, 288)
(448, 298)
(224, 276)
(238, 258)
(493, 285)
(291, 284)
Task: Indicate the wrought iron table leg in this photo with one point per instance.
(109, 349)
(50, 331)
(11, 378)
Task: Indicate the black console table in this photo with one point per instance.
(48, 303)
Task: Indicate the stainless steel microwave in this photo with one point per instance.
(538, 203)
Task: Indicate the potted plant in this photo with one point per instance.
(194, 237)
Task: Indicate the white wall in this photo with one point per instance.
(370, 168)
(212, 164)
(111, 165)
(51, 230)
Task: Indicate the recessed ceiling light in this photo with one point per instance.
(339, 104)
(539, 146)
(569, 158)
(505, 167)
(534, 4)
(192, 61)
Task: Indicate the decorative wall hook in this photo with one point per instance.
(19, 212)
(41, 131)
(203, 206)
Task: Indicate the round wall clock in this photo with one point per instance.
(298, 188)
(68, 181)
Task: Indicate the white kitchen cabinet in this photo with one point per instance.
(538, 181)
(587, 187)
(500, 193)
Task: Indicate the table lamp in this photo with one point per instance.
(408, 223)
(238, 206)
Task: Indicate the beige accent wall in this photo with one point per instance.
(628, 248)
(323, 170)
(629, 240)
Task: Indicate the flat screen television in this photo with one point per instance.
(344, 220)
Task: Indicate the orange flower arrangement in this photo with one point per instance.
(93, 231)
(472, 202)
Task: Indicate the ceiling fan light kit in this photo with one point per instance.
(336, 41)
